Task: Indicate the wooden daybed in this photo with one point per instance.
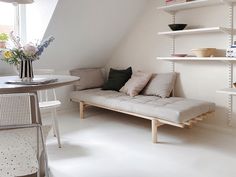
(179, 112)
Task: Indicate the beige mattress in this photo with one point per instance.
(174, 109)
(18, 151)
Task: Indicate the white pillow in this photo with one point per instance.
(160, 85)
(136, 83)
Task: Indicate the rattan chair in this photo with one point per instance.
(21, 135)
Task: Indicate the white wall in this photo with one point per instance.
(86, 32)
(198, 80)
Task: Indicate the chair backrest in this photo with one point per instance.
(46, 95)
(15, 109)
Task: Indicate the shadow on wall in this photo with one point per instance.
(87, 31)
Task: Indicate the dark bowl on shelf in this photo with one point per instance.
(234, 85)
(177, 27)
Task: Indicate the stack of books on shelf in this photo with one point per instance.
(171, 2)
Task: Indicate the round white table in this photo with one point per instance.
(15, 88)
(62, 80)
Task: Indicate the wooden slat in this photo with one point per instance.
(171, 123)
(187, 123)
(199, 118)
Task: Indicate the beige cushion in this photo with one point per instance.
(160, 85)
(172, 109)
(89, 78)
(19, 151)
(136, 83)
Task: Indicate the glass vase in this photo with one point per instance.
(26, 70)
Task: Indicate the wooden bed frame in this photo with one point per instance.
(155, 122)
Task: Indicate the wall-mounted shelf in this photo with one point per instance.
(172, 9)
(230, 31)
(228, 91)
(227, 59)
(197, 31)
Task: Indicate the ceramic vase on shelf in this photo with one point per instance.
(26, 70)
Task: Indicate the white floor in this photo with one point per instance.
(109, 144)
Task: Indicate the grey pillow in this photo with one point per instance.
(89, 78)
(160, 85)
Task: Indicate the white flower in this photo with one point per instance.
(30, 49)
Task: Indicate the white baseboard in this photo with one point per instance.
(68, 110)
(61, 111)
(221, 129)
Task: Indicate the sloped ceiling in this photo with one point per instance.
(38, 16)
(87, 31)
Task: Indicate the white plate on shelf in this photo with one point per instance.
(179, 55)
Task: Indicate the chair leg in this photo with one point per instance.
(53, 124)
(45, 152)
(38, 147)
(81, 109)
(56, 127)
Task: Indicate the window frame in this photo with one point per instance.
(21, 22)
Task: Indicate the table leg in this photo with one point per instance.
(36, 118)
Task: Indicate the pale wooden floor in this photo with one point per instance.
(109, 144)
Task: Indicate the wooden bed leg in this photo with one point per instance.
(154, 130)
(81, 109)
(190, 126)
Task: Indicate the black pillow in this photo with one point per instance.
(117, 79)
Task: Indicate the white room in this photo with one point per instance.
(117, 88)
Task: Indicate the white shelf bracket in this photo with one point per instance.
(173, 45)
(173, 51)
(230, 98)
(230, 65)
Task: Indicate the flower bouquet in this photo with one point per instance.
(23, 56)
